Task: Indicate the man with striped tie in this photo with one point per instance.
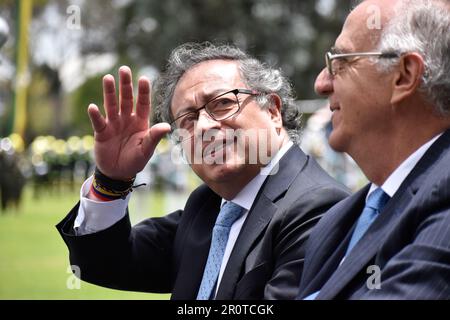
(388, 83)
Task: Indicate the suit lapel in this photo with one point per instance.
(368, 246)
(330, 239)
(259, 216)
(196, 250)
(365, 250)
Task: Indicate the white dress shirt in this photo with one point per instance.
(94, 216)
(393, 182)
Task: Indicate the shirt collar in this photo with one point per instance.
(393, 182)
(247, 195)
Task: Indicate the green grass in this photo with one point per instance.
(34, 259)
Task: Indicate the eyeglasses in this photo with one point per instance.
(334, 61)
(218, 108)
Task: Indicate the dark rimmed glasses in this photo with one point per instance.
(333, 60)
(219, 108)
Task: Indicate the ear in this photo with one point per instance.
(275, 110)
(408, 77)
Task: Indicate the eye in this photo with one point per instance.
(221, 103)
(191, 116)
(187, 120)
(339, 63)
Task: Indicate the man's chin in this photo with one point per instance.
(221, 172)
(336, 141)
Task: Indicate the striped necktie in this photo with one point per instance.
(229, 213)
(374, 204)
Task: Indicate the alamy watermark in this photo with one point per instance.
(73, 21)
(73, 281)
(374, 19)
(374, 280)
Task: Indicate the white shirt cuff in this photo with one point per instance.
(94, 216)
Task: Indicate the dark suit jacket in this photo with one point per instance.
(409, 241)
(169, 254)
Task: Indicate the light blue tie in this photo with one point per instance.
(229, 213)
(374, 204)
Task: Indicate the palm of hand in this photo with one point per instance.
(123, 141)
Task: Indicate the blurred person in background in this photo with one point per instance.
(339, 164)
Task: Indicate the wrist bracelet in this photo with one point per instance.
(110, 189)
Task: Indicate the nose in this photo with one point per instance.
(205, 122)
(324, 83)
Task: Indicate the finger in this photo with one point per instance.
(125, 91)
(153, 136)
(109, 97)
(97, 120)
(143, 100)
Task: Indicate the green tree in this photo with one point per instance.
(291, 34)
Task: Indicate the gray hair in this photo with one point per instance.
(258, 76)
(423, 26)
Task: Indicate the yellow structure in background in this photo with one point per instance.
(22, 74)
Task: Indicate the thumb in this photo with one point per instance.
(153, 136)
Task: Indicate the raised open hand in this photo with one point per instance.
(124, 142)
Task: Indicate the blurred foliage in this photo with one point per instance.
(67, 62)
(12, 165)
(88, 92)
(289, 33)
(39, 106)
(52, 165)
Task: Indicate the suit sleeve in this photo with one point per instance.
(294, 230)
(122, 257)
(421, 270)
